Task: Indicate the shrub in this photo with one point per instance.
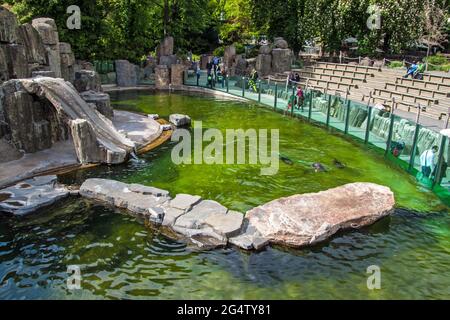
(240, 48)
(395, 64)
(219, 52)
(438, 59)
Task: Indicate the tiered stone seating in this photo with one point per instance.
(417, 90)
(424, 84)
(374, 85)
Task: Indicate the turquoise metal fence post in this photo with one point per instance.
(276, 97)
(437, 176)
(243, 86)
(293, 101)
(416, 137)
(228, 85)
(259, 90)
(347, 116)
(369, 119)
(310, 105)
(389, 139)
(414, 147)
(198, 78)
(328, 111)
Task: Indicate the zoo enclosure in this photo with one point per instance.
(385, 131)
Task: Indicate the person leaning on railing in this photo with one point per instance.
(427, 161)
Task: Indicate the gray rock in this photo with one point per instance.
(171, 215)
(101, 100)
(31, 195)
(148, 190)
(126, 75)
(195, 218)
(153, 116)
(31, 40)
(39, 112)
(177, 74)
(180, 120)
(184, 201)
(264, 64)
(16, 61)
(307, 219)
(265, 49)
(281, 60)
(87, 80)
(50, 74)
(120, 195)
(165, 48)
(249, 239)
(162, 79)
(168, 60)
(280, 43)
(46, 27)
(8, 26)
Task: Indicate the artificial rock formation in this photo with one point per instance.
(126, 73)
(87, 80)
(41, 111)
(276, 59)
(67, 62)
(30, 195)
(162, 80)
(204, 222)
(294, 221)
(101, 100)
(48, 31)
(307, 219)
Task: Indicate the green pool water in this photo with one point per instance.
(121, 258)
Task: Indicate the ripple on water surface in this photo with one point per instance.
(120, 258)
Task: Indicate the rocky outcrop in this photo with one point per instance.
(177, 74)
(307, 219)
(30, 195)
(162, 80)
(48, 31)
(164, 52)
(179, 120)
(67, 61)
(264, 64)
(87, 80)
(41, 110)
(101, 100)
(294, 221)
(281, 60)
(204, 222)
(126, 73)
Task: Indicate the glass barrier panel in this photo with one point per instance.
(357, 119)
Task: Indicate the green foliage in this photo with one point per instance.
(219, 51)
(130, 29)
(438, 59)
(395, 64)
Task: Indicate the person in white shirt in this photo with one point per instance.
(427, 161)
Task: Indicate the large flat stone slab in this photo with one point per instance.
(31, 195)
(138, 200)
(205, 223)
(307, 219)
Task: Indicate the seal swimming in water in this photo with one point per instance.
(286, 160)
(338, 164)
(318, 167)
